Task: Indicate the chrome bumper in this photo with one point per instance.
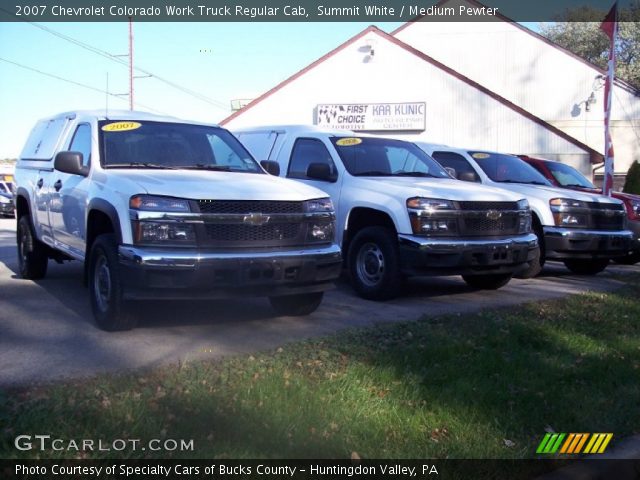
(460, 256)
(158, 273)
(567, 243)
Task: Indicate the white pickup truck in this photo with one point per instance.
(581, 229)
(398, 212)
(161, 208)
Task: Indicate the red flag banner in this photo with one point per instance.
(610, 27)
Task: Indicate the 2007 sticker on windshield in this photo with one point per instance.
(347, 142)
(121, 126)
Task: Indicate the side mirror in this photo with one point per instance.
(321, 171)
(272, 168)
(467, 177)
(451, 171)
(70, 162)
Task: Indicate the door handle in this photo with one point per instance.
(40, 183)
(58, 185)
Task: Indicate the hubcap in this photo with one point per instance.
(370, 264)
(23, 246)
(102, 282)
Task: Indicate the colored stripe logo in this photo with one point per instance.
(574, 443)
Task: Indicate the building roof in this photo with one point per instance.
(595, 156)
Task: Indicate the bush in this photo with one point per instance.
(632, 183)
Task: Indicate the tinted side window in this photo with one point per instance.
(457, 165)
(305, 152)
(81, 142)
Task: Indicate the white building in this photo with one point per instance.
(535, 74)
(375, 82)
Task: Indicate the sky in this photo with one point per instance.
(216, 61)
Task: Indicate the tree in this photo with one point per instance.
(580, 34)
(632, 182)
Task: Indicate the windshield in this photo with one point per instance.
(370, 157)
(568, 176)
(172, 145)
(507, 168)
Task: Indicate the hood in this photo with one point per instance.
(546, 193)
(443, 188)
(205, 185)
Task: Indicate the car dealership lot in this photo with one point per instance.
(48, 331)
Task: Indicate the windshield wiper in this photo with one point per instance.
(402, 173)
(372, 173)
(141, 164)
(576, 185)
(530, 182)
(202, 166)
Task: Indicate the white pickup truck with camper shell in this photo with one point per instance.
(162, 208)
(398, 212)
(583, 230)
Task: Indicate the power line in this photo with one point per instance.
(73, 82)
(115, 58)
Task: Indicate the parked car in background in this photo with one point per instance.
(6, 187)
(161, 208)
(398, 212)
(581, 229)
(6, 204)
(565, 176)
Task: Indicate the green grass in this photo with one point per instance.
(474, 386)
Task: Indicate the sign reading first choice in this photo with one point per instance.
(372, 116)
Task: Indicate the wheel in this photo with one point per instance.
(297, 305)
(32, 253)
(105, 286)
(535, 265)
(374, 264)
(587, 267)
(488, 282)
(630, 259)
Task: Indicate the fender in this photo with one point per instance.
(109, 210)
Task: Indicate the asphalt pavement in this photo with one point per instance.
(47, 330)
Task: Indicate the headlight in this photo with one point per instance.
(320, 232)
(523, 204)
(569, 213)
(319, 205)
(432, 216)
(566, 203)
(159, 204)
(4, 199)
(164, 232)
(429, 204)
(633, 208)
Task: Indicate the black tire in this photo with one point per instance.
(587, 267)
(297, 305)
(488, 282)
(630, 259)
(111, 312)
(33, 257)
(374, 264)
(535, 265)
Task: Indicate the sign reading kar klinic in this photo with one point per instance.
(372, 116)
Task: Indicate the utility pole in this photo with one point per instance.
(130, 63)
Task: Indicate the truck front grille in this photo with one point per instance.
(249, 233)
(250, 206)
(488, 205)
(484, 224)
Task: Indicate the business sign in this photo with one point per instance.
(372, 116)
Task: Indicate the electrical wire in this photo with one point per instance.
(116, 59)
(73, 82)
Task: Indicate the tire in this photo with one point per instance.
(630, 259)
(587, 267)
(33, 257)
(535, 266)
(105, 286)
(487, 282)
(374, 264)
(296, 305)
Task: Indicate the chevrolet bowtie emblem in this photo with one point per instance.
(493, 215)
(256, 219)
